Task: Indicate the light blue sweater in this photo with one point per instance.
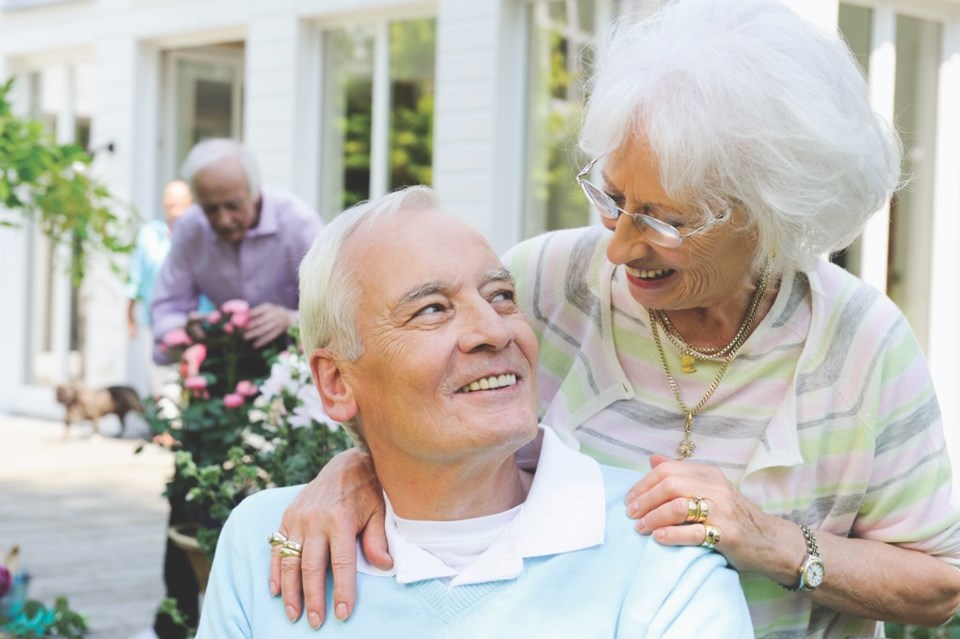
(629, 586)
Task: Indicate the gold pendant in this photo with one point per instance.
(687, 362)
(686, 448)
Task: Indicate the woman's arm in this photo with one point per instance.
(345, 500)
(865, 578)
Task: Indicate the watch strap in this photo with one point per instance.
(812, 551)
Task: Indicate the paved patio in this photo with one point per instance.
(89, 516)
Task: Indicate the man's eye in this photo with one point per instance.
(431, 309)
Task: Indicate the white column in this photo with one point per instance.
(380, 112)
(271, 70)
(883, 71)
(478, 120)
(944, 343)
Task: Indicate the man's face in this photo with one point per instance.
(176, 200)
(448, 364)
(224, 196)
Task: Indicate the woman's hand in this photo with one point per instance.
(749, 538)
(342, 502)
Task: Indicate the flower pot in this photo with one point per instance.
(184, 536)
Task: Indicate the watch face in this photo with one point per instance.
(813, 575)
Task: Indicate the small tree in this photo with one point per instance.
(50, 183)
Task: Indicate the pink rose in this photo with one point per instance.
(232, 400)
(195, 383)
(235, 306)
(193, 357)
(176, 337)
(240, 319)
(214, 317)
(228, 328)
(246, 388)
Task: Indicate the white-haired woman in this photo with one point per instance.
(784, 407)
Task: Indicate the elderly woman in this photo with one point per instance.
(784, 407)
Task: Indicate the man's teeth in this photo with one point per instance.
(489, 383)
(644, 274)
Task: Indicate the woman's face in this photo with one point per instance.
(708, 269)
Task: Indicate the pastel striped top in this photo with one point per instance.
(826, 417)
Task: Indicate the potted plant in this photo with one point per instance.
(247, 419)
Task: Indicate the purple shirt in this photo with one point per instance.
(259, 269)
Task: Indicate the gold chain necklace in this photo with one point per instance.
(686, 447)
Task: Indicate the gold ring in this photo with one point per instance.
(711, 536)
(293, 546)
(289, 552)
(276, 539)
(697, 511)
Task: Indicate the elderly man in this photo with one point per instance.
(240, 241)
(417, 344)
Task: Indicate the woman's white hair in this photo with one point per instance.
(214, 150)
(329, 291)
(743, 101)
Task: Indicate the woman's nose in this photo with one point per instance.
(628, 243)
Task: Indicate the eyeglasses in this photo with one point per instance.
(657, 231)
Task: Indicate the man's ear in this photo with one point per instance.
(337, 396)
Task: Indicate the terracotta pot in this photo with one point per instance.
(184, 536)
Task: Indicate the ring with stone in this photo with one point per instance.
(711, 536)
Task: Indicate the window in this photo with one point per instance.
(377, 117)
(901, 54)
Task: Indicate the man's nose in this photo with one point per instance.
(483, 327)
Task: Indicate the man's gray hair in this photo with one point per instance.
(744, 102)
(214, 150)
(329, 291)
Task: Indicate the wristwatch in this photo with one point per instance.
(811, 570)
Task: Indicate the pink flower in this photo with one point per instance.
(214, 317)
(195, 383)
(235, 306)
(246, 388)
(228, 328)
(240, 319)
(193, 357)
(176, 337)
(233, 400)
(6, 581)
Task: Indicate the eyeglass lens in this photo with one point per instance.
(657, 231)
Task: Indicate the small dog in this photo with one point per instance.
(83, 403)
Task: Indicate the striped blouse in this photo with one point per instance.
(827, 416)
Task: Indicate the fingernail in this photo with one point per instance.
(291, 613)
(629, 496)
(274, 589)
(641, 525)
(631, 510)
(315, 620)
(342, 611)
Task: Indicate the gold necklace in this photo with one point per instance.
(686, 447)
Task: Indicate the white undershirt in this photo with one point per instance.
(456, 543)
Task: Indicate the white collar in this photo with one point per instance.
(565, 511)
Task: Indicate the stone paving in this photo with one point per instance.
(89, 517)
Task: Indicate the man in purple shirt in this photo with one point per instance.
(239, 241)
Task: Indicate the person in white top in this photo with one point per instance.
(418, 347)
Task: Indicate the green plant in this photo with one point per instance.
(949, 630)
(50, 183)
(35, 620)
(238, 430)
